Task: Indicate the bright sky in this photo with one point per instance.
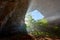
(36, 15)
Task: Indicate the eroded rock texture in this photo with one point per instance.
(12, 13)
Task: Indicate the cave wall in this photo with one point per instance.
(13, 13)
(12, 17)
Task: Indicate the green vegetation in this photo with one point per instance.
(41, 27)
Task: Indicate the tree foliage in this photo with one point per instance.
(42, 27)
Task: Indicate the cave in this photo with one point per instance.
(12, 15)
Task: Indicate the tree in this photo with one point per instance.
(41, 27)
(30, 23)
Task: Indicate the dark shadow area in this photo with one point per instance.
(12, 29)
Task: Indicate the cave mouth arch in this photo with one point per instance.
(30, 17)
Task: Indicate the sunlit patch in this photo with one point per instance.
(37, 24)
(30, 17)
(36, 15)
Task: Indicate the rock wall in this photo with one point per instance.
(12, 14)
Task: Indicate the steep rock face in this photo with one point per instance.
(6, 9)
(15, 9)
(12, 17)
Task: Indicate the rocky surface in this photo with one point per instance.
(12, 14)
